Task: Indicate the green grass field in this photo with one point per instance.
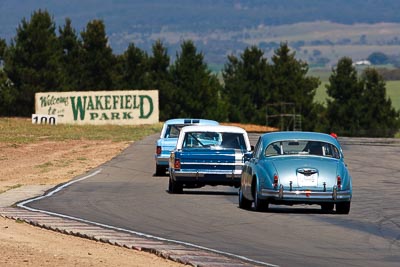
(21, 130)
(393, 91)
(392, 88)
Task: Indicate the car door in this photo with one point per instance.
(250, 168)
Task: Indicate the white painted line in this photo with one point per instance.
(58, 189)
(22, 204)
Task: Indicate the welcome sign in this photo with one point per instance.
(131, 107)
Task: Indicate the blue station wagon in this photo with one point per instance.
(296, 168)
(208, 155)
(169, 137)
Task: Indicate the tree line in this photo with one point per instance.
(44, 58)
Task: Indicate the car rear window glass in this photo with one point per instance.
(302, 147)
(220, 140)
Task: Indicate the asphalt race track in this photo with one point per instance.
(126, 194)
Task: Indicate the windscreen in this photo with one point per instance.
(303, 147)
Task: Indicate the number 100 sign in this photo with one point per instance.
(44, 119)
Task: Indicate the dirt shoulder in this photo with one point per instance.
(51, 163)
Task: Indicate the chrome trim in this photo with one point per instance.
(334, 193)
(306, 194)
(213, 163)
(162, 159)
(281, 192)
(307, 171)
(196, 174)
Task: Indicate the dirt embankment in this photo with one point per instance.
(51, 163)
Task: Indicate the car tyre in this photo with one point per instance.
(260, 204)
(244, 203)
(160, 170)
(327, 207)
(174, 187)
(343, 207)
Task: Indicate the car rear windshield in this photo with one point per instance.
(220, 140)
(303, 147)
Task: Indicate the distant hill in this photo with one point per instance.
(219, 27)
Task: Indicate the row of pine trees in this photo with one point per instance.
(43, 58)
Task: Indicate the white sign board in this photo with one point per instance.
(44, 119)
(131, 107)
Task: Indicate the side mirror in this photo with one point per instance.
(247, 156)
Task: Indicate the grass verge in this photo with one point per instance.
(21, 131)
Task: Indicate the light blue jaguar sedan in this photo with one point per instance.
(169, 137)
(291, 168)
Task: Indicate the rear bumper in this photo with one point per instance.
(162, 160)
(213, 177)
(306, 195)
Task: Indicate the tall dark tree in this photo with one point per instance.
(7, 95)
(32, 60)
(98, 60)
(344, 109)
(71, 57)
(133, 69)
(197, 89)
(159, 78)
(291, 84)
(3, 46)
(247, 86)
(379, 118)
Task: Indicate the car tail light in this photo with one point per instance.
(339, 182)
(275, 180)
(177, 164)
(158, 150)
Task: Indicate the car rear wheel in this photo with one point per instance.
(174, 187)
(343, 207)
(244, 203)
(259, 204)
(327, 207)
(160, 170)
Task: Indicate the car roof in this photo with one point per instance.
(296, 135)
(190, 121)
(185, 121)
(213, 128)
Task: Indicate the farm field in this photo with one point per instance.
(328, 40)
(392, 89)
